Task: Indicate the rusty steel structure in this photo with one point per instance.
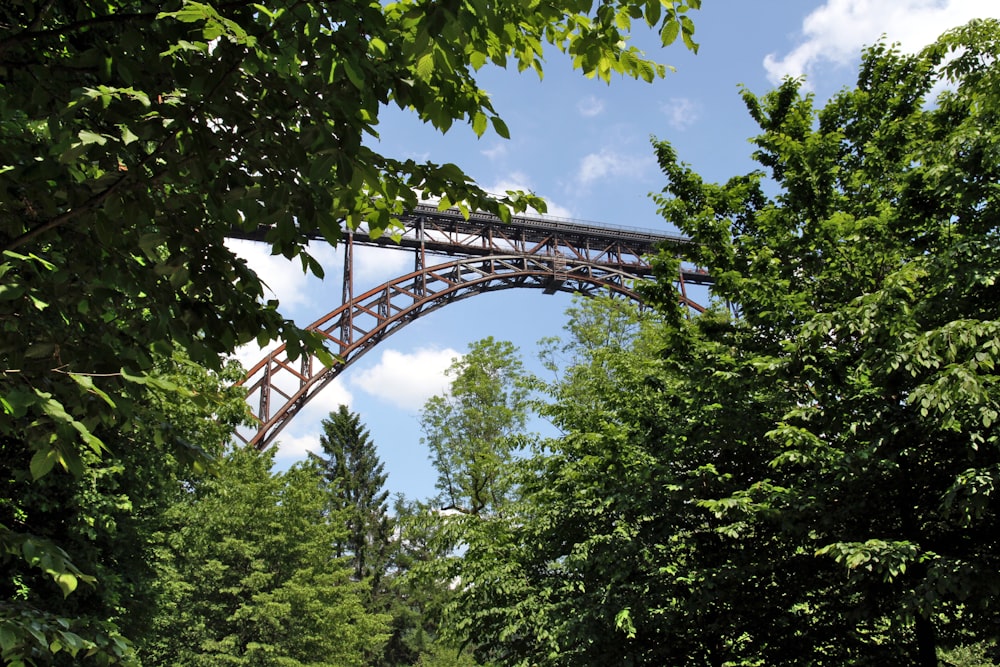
(454, 258)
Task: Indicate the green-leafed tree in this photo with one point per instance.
(573, 572)
(474, 430)
(474, 433)
(811, 482)
(63, 608)
(248, 576)
(355, 481)
(135, 136)
(416, 592)
(869, 314)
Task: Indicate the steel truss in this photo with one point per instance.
(527, 253)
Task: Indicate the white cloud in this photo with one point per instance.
(284, 279)
(554, 210)
(609, 164)
(328, 400)
(837, 31)
(681, 112)
(374, 266)
(498, 150)
(407, 380)
(590, 106)
(251, 353)
(294, 448)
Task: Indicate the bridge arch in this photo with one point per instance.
(540, 258)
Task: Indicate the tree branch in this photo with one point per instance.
(61, 219)
(28, 34)
(31, 32)
(98, 200)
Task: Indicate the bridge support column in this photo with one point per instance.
(347, 318)
(420, 261)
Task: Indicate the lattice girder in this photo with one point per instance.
(355, 327)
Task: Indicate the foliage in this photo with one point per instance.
(601, 329)
(135, 136)
(569, 574)
(355, 489)
(813, 481)
(474, 433)
(88, 603)
(248, 577)
(976, 655)
(473, 430)
(416, 592)
(867, 300)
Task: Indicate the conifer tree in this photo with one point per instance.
(355, 477)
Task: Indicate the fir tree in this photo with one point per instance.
(355, 478)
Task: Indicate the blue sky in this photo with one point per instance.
(585, 147)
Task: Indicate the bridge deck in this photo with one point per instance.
(429, 230)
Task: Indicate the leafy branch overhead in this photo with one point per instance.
(135, 136)
(257, 113)
(134, 140)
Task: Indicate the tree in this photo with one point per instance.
(474, 433)
(249, 578)
(474, 430)
(136, 137)
(866, 303)
(600, 329)
(813, 481)
(132, 149)
(572, 572)
(105, 516)
(356, 490)
(416, 592)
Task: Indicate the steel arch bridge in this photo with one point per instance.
(480, 254)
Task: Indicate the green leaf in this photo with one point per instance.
(67, 582)
(87, 383)
(42, 462)
(127, 135)
(353, 74)
(57, 412)
(671, 28)
(653, 12)
(11, 291)
(378, 45)
(425, 66)
(500, 127)
(623, 21)
(623, 622)
(150, 244)
(89, 137)
(479, 123)
(7, 638)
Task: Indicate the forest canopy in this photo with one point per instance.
(805, 473)
(813, 479)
